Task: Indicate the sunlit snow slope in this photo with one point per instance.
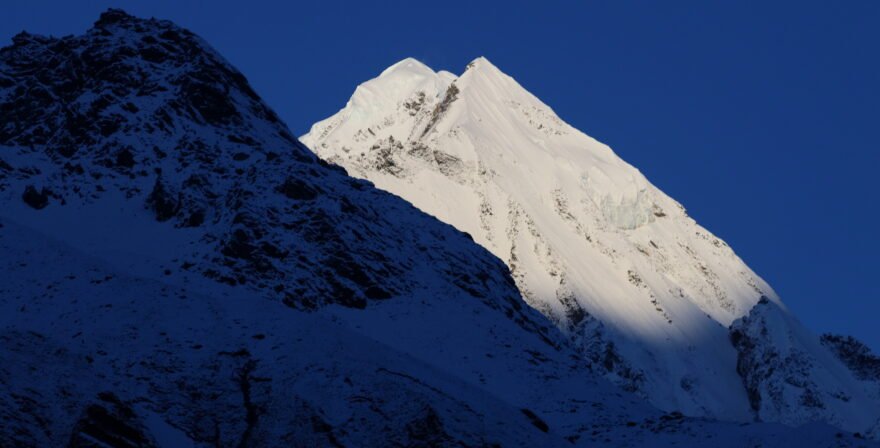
(177, 270)
(642, 289)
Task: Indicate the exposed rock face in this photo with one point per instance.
(791, 377)
(863, 364)
(109, 422)
(855, 355)
(34, 198)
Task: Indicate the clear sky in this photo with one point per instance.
(760, 117)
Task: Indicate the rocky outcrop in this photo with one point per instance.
(789, 376)
(864, 364)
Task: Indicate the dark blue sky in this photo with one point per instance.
(760, 118)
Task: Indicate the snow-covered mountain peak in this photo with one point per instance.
(479, 60)
(409, 65)
(181, 271)
(482, 66)
(408, 83)
(617, 264)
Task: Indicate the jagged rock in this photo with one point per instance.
(536, 421)
(790, 377)
(855, 355)
(125, 158)
(298, 190)
(36, 199)
(162, 202)
(438, 112)
(109, 422)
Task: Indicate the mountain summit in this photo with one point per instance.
(177, 270)
(637, 285)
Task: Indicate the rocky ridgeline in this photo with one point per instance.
(140, 123)
(147, 109)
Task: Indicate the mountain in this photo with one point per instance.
(177, 270)
(640, 289)
(173, 257)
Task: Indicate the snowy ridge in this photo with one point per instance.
(178, 270)
(94, 354)
(645, 292)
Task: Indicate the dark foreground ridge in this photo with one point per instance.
(148, 110)
(177, 269)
